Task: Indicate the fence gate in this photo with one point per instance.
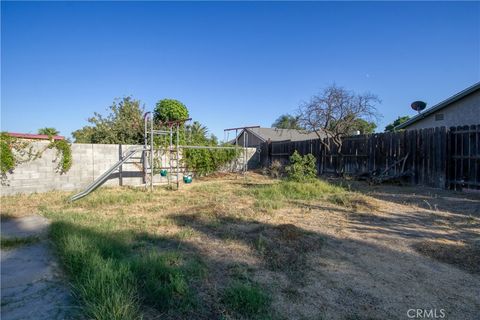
(463, 166)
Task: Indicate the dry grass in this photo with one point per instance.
(458, 253)
(282, 249)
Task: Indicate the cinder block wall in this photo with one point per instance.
(89, 162)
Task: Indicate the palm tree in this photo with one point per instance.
(48, 131)
(197, 132)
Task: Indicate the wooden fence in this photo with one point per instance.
(435, 157)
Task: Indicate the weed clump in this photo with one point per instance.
(276, 170)
(10, 243)
(247, 299)
(276, 195)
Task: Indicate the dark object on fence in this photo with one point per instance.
(437, 157)
(390, 174)
(386, 174)
(418, 106)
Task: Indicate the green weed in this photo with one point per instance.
(10, 243)
(247, 299)
(113, 277)
(275, 196)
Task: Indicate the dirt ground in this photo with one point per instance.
(403, 248)
(419, 248)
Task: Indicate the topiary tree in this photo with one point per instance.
(170, 110)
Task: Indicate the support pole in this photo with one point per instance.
(236, 151)
(245, 142)
(151, 155)
(244, 139)
(170, 156)
(145, 146)
(144, 153)
(178, 157)
(246, 154)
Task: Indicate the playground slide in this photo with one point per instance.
(97, 182)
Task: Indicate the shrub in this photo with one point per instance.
(301, 168)
(205, 161)
(275, 170)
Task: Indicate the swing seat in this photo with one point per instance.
(163, 172)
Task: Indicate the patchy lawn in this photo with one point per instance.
(232, 247)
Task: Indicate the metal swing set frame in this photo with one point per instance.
(148, 150)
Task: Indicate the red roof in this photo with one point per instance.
(34, 136)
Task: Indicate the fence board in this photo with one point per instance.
(437, 157)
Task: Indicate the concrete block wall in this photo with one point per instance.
(89, 162)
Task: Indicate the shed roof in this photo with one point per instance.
(275, 134)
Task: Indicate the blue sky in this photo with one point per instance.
(231, 63)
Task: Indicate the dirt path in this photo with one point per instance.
(416, 249)
(31, 283)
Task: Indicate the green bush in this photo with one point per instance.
(301, 168)
(205, 161)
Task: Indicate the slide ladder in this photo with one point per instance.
(92, 186)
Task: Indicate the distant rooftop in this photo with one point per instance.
(275, 134)
(34, 136)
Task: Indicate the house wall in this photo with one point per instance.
(465, 111)
(89, 162)
(251, 140)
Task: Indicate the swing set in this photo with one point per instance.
(171, 153)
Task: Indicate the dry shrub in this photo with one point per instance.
(276, 170)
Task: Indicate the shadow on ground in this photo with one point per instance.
(32, 286)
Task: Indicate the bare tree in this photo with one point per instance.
(334, 112)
